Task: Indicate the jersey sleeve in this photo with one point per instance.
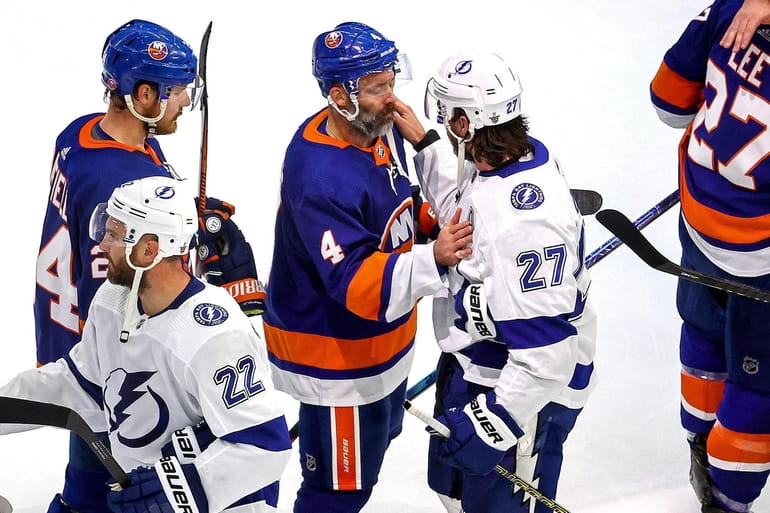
(351, 260)
(251, 430)
(677, 90)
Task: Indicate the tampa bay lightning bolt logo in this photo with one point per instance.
(463, 67)
(208, 314)
(527, 196)
(165, 192)
(128, 394)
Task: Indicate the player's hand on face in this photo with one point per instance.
(453, 242)
(745, 22)
(407, 123)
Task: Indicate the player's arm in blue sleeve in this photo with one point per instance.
(356, 272)
(677, 90)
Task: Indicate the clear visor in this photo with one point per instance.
(402, 73)
(435, 109)
(105, 229)
(191, 92)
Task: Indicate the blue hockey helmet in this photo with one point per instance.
(350, 51)
(142, 50)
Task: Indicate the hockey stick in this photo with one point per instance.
(588, 202)
(622, 227)
(5, 505)
(642, 221)
(591, 260)
(525, 486)
(23, 411)
(204, 120)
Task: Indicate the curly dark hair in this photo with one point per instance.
(502, 143)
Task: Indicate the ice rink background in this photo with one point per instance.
(585, 67)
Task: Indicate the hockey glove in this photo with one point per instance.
(226, 259)
(167, 487)
(473, 315)
(187, 443)
(481, 433)
(425, 220)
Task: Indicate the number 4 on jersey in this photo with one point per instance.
(330, 250)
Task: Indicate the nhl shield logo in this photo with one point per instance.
(750, 365)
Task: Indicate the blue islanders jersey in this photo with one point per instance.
(87, 166)
(721, 99)
(345, 275)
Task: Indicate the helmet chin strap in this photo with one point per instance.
(132, 312)
(344, 112)
(461, 153)
(151, 122)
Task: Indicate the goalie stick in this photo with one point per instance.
(204, 120)
(525, 486)
(23, 411)
(624, 229)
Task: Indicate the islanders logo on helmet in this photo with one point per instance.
(527, 196)
(333, 39)
(157, 50)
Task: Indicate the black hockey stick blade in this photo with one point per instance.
(23, 411)
(624, 229)
(204, 153)
(588, 202)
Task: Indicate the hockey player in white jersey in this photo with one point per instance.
(516, 329)
(161, 352)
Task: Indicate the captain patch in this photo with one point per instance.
(208, 314)
(527, 196)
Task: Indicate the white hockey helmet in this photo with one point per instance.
(480, 83)
(153, 205)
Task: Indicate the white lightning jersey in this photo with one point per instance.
(200, 359)
(528, 258)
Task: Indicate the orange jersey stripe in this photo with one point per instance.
(332, 353)
(345, 448)
(703, 394)
(675, 89)
(715, 224)
(365, 289)
(733, 446)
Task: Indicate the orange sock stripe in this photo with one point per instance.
(733, 446)
(703, 394)
(346, 448)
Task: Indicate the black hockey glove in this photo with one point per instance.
(225, 258)
(425, 220)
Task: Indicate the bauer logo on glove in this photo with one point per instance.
(225, 258)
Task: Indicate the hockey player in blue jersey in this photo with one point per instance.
(165, 357)
(345, 275)
(515, 325)
(146, 72)
(720, 97)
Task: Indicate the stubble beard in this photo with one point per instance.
(372, 125)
